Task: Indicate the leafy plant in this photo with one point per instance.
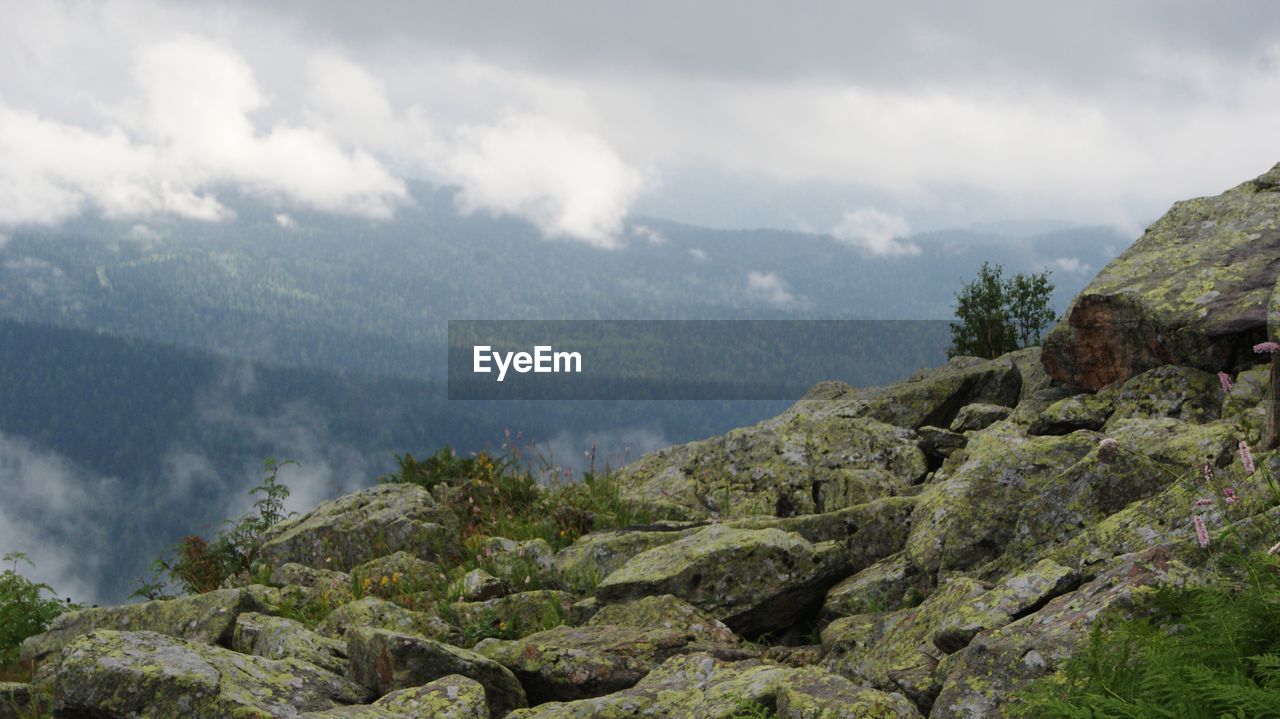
(1208, 651)
(26, 608)
(998, 315)
(199, 565)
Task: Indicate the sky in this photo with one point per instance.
(866, 121)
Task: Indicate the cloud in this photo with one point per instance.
(771, 288)
(653, 236)
(285, 221)
(1071, 265)
(875, 233)
(187, 132)
(567, 182)
(55, 512)
(698, 254)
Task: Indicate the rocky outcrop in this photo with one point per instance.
(279, 638)
(1192, 291)
(343, 533)
(152, 676)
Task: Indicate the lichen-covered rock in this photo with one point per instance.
(699, 686)
(15, 700)
(324, 586)
(1015, 596)
(894, 650)
(1000, 661)
(386, 661)
(754, 580)
(595, 556)
(888, 584)
(797, 463)
(1183, 393)
(208, 618)
(968, 515)
(376, 613)
(520, 563)
(479, 585)
(940, 443)
(343, 533)
(1193, 291)
(569, 663)
(1081, 411)
(665, 612)
(979, 415)
(148, 675)
(451, 697)
(513, 616)
(280, 638)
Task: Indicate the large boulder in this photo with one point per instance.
(569, 663)
(595, 556)
(386, 661)
(699, 686)
(1193, 290)
(144, 675)
(512, 616)
(754, 580)
(343, 533)
(207, 618)
(998, 662)
(372, 612)
(281, 638)
(453, 697)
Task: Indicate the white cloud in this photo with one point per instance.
(567, 182)
(188, 131)
(1071, 265)
(771, 288)
(698, 254)
(875, 233)
(141, 233)
(285, 221)
(653, 236)
(4, 240)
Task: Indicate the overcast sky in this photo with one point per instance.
(865, 120)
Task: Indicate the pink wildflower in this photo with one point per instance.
(1107, 450)
(1224, 379)
(1266, 347)
(1202, 532)
(1246, 459)
(1206, 471)
(1205, 502)
(1229, 495)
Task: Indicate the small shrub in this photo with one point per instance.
(26, 609)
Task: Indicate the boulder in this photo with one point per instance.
(1182, 393)
(754, 580)
(940, 443)
(981, 677)
(451, 697)
(372, 612)
(1081, 411)
(596, 555)
(1193, 291)
(979, 415)
(478, 585)
(665, 612)
(343, 533)
(16, 700)
(568, 663)
(699, 686)
(280, 638)
(1014, 597)
(512, 616)
(385, 661)
(148, 675)
(207, 618)
(888, 584)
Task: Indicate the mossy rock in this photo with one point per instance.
(16, 700)
(665, 612)
(149, 675)
(979, 415)
(894, 651)
(280, 638)
(1014, 596)
(207, 618)
(568, 663)
(451, 697)
(596, 555)
(1081, 411)
(754, 580)
(372, 612)
(513, 616)
(699, 686)
(1193, 291)
(889, 584)
(386, 661)
(478, 585)
(1183, 393)
(343, 533)
(981, 677)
